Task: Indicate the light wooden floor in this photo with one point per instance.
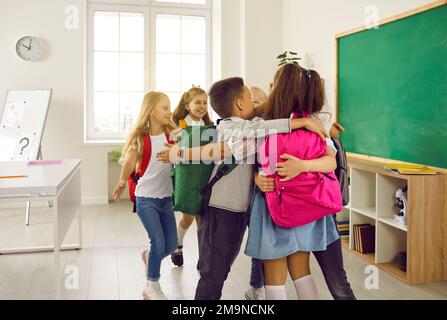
(110, 266)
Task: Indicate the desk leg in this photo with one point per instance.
(80, 226)
(66, 206)
(28, 209)
(56, 244)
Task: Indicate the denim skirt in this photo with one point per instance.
(267, 241)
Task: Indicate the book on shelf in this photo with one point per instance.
(356, 236)
(364, 238)
(410, 169)
(367, 239)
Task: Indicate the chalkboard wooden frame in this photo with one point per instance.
(394, 18)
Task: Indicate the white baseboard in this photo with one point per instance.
(93, 201)
(15, 205)
(43, 204)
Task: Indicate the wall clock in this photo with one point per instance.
(29, 48)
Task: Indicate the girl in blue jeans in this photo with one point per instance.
(154, 187)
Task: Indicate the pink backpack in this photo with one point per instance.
(309, 196)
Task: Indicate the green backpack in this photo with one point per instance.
(191, 179)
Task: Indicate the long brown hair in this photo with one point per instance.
(295, 90)
(181, 112)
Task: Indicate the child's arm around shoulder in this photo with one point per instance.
(234, 137)
(294, 166)
(259, 128)
(208, 153)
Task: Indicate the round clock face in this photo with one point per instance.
(29, 48)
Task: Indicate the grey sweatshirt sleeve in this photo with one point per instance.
(240, 135)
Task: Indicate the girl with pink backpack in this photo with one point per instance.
(294, 216)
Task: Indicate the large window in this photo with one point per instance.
(163, 46)
(180, 53)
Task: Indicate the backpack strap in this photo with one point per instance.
(136, 175)
(223, 170)
(182, 123)
(147, 153)
(299, 115)
(146, 156)
(168, 138)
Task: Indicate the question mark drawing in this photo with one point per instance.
(26, 145)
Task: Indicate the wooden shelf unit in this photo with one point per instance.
(424, 238)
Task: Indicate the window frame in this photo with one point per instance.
(153, 49)
(155, 3)
(143, 3)
(149, 8)
(90, 134)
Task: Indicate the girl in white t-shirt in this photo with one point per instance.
(153, 192)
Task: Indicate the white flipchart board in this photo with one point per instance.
(22, 123)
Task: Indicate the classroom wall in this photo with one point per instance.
(310, 28)
(264, 29)
(63, 70)
(251, 39)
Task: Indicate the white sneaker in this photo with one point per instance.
(153, 291)
(254, 294)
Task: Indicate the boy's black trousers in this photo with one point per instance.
(220, 238)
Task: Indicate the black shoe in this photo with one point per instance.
(177, 257)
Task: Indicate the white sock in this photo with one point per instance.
(180, 235)
(275, 293)
(306, 289)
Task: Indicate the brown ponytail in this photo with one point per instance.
(314, 95)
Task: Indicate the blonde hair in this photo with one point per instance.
(181, 112)
(258, 94)
(142, 125)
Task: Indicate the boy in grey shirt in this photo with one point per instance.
(225, 211)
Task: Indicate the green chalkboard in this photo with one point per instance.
(392, 89)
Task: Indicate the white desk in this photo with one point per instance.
(59, 183)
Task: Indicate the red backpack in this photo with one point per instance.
(146, 157)
(309, 196)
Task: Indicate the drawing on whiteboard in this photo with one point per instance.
(13, 114)
(24, 145)
(23, 115)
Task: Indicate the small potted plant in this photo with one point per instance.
(288, 57)
(115, 154)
